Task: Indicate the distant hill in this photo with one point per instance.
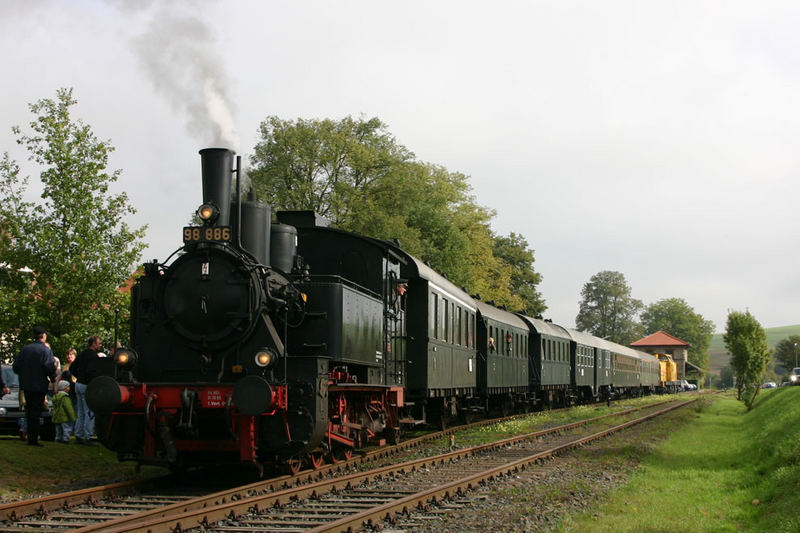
(718, 356)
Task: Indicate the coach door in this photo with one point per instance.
(394, 320)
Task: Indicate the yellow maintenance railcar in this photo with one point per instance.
(669, 373)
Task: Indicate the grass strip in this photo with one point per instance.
(728, 470)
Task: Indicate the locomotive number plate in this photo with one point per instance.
(212, 398)
(203, 234)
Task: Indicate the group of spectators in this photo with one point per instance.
(40, 372)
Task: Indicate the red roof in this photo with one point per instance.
(660, 338)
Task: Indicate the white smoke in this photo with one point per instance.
(219, 112)
(177, 53)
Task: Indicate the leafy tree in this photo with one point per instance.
(357, 175)
(678, 318)
(64, 256)
(323, 165)
(746, 341)
(608, 310)
(787, 351)
(514, 251)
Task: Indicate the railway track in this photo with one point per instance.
(66, 510)
(370, 489)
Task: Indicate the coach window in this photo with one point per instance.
(445, 319)
(434, 316)
(501, 341)
(460, 334)
(469, 329)
(452, 337)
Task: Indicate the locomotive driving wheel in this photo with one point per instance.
(317, 459)
(341, 453)
(294, 465)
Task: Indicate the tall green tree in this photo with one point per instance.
(746, 341)
(63, 256)
(514, 251)
(323, 165)
(678, 318)
(355, 173)
(787, 352)
(607, 309)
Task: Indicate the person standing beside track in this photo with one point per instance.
(3, 388)
(36, 367)
(84, 368)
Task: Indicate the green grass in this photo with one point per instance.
(29, 471)
(727, 471)
(718, 355)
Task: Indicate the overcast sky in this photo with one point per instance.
(660, 140)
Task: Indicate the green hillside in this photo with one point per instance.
(718, 356)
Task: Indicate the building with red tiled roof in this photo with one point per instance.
(663, 342)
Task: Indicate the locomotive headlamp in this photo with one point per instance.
(264, 358)
(208, 213)
(125, 357)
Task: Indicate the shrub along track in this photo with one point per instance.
(104, 507)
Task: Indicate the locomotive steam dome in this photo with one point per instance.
(209, 298)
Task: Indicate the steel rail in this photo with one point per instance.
(203, 511)
(42, 505)
(386, 511)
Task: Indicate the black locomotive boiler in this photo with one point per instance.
(295, 342)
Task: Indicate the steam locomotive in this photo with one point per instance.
(293, 343)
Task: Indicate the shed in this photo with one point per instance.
(663, 342)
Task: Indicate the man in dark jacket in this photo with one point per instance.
(36, 367)
(84, 368)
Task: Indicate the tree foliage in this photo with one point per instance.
(608, 310)
(678, 318)
(63, 256)
(355, 173)
(323, 165)
(746, 341)
(514, 251)
(787, 352)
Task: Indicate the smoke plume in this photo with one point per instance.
(177, 53)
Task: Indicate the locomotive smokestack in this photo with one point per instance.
(217, 164)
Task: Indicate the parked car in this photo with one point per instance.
(11, 413)
(769, 385)
(685, 385)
